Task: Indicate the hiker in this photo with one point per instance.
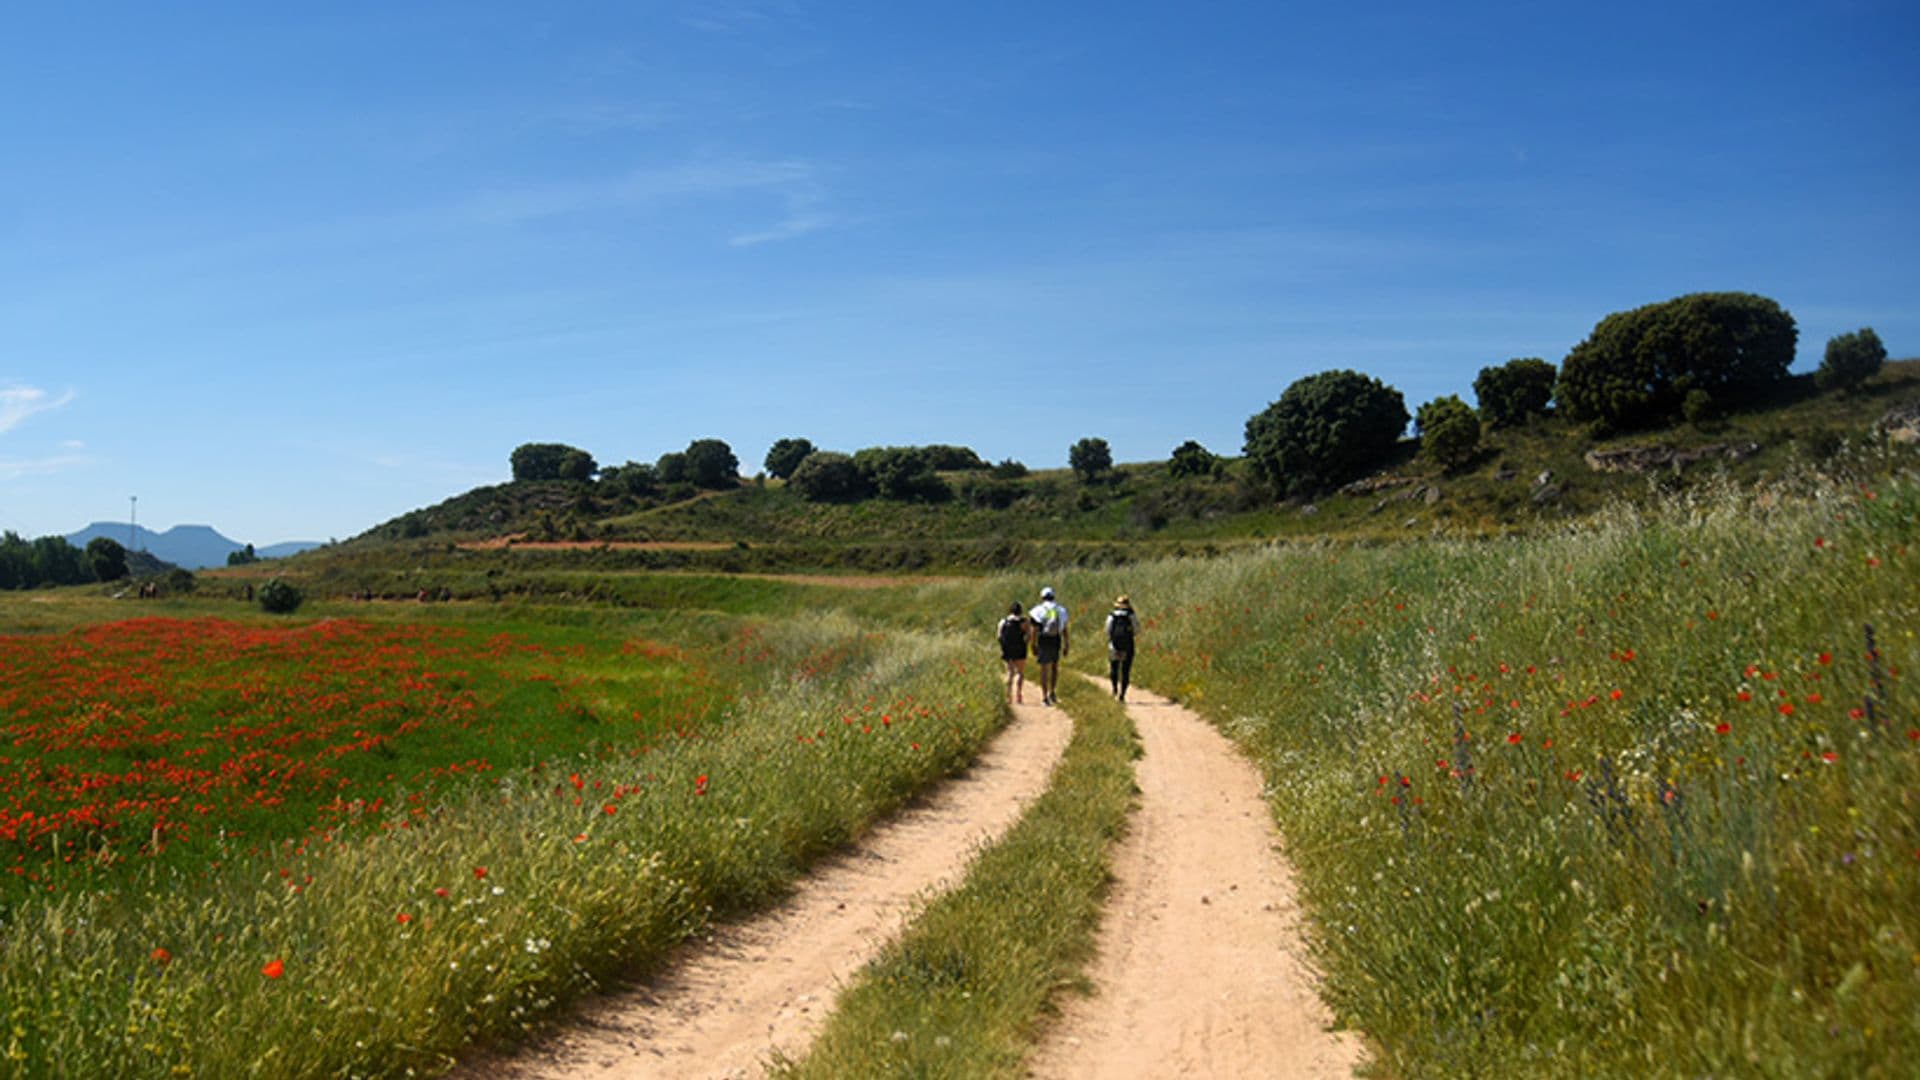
(1050, 644)
(1013, 633)
(1121, 630)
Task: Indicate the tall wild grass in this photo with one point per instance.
(1642, 797)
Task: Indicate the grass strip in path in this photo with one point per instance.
(962, 993)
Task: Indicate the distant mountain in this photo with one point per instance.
(291, 547)
(195, 547)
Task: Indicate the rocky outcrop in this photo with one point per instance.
(1645, 459)
(1901, 424)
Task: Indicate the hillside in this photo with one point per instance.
(1548, 472)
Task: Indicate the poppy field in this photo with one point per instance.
(352, 847)
(1639, 798)
(181, 742)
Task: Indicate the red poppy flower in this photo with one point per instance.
(1513, 739)
(403, 918)
(1829, 757)
(610, 809)
(440, 892)
(1615, 695)
(479, 872)
(160, 956)
(1786, 708)
(1825, 658)
(274, 968)
(1722, 728)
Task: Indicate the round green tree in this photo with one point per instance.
(1324, 429)
(827, 476)
(711, 465)
(1449, 432)
(786, 456)
(1090, 459)
(106, 558)
(1515, 391)
(1637, 367)
(1851, 359)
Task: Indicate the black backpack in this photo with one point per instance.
(1013, 632)
(1120, 633)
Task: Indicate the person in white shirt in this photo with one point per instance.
(1050, 643)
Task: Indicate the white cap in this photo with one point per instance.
(1046, 593)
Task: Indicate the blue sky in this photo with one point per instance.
(291, 274)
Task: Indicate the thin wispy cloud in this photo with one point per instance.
(803, 216)
(19, 402)
(15, 469)
(635, 189)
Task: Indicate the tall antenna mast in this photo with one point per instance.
(133, 519)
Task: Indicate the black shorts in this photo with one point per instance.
(1046, 649)
(1016, 651)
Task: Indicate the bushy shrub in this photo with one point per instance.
(180, 581)
(1516, 390)
(954, 458)
(1009, 469)
(904, 473)
(827, 476)
(280, 597)
(1449, 432)
(1325, 428)
(1637, 367)
(1190, 459)
(1851, 359)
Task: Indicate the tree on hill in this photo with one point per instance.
(1324, 429)
(711, 465)
(947, 458)
(1638, 367)
(578, 465)
(1190, 459)
(551, 461)
(827, 476)
(239, 558)
(1090, 459)
(904, 473)
(1851, 359)
(1515, 391)
(107, 559)
(786, 456)
(1449, 432)
(635, 479)
(672, 468)
(1008, 469)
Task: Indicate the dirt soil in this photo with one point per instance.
(725, 1005)
(1199, 971)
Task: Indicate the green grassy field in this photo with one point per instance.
(455, 900)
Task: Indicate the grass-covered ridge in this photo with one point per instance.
(1635, 797)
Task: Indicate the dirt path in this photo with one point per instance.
(1198, 972)
(724, 1006)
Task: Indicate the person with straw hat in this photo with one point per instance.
(1122, 628)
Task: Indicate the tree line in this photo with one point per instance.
(51, 560)
(1691, 358)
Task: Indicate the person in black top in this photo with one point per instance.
(1122, 627)
(1013, 634)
